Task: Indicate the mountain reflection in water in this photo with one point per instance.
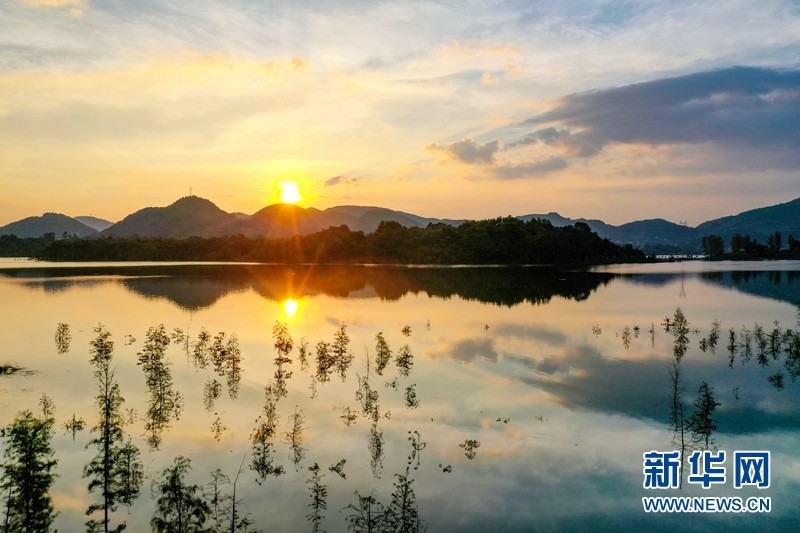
(508, 399)
(199, 286)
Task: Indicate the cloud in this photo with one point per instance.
(339, 180)
(76, 8)
(738, 106)
(529, 170)
(527, 331)
(581, 377)
(468, 151)
(468, 350)
(295, 63)
(471, 153)
(544, 135)
(54, 3)
(722, 121)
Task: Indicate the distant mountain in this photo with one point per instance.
(371, 219)
(193, 216)
(367, 218)
(649, 235)
(188, 217)
(757, 223)
(652, 232)
(279, 220)
(48, 223)
(98, 224)
(658, 234)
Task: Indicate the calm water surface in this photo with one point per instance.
(563, 379)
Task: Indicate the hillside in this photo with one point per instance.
(191, 216)
(54, 223)
(196, 217)
(654, 235)
(278, 220)
(757, 223)
(98, 224)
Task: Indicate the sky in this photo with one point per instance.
(616, 110)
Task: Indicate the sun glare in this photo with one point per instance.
(290, 192)
(290, 307)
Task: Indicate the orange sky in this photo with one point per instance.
(453, 111)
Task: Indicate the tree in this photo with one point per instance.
(744, 244)
(340, 350)
(404, 360)
(294, 438)
(180, 508)
(62, 338)
(700, 423)
(165, 402)
(325, 361)
(27, 473)
(226, 509)
(319, 497)
(383, 354)
(368, 517)
(739, 243)
(262, 448)
(227, 359)
(793, 244)
(680, 330)
(283, 346)
(402, 515)
(713, 245)
(775, 242)
(677, 421)
(116, 471)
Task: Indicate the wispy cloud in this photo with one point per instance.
(79, 4)
(468, 350)
(531, 170)
(339, 180)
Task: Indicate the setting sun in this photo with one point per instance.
(290, 192)
(290, 307)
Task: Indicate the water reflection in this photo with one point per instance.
(63, 338)
(583, 378)
(544, 405)
(197, 287)
(200, 286)
(780, 285)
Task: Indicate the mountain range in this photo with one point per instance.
(192, 216)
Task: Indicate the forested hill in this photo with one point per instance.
(55, 223)
(497, 241)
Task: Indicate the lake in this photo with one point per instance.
(524, 400)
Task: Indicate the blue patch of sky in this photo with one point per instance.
(616, 13)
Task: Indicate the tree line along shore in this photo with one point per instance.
(497, 241)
